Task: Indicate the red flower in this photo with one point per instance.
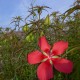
(50, 57)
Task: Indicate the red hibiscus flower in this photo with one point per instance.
(50, 57)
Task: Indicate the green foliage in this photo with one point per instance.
(30, 37)
(14, 46)
(47, 20)
(71, 10)
(25, 28)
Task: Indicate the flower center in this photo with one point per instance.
(49, 57)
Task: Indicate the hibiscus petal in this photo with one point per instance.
(63, 65)
(43, 44)
(35, 57)
(59, 47)
(45, 71)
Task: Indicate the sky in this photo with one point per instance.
(12, 8)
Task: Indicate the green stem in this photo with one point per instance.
(70, 51)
